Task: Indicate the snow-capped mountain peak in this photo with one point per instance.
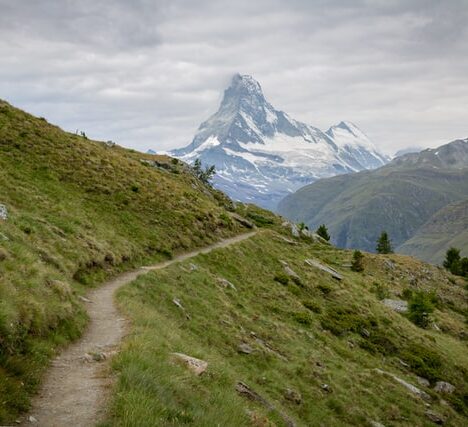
(261, 154)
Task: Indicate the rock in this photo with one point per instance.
(286, 240)
(84, 299)
(290, 272)
(435, 418)
(398, 305)
(444, 387)
(197, 366)
(245, 391)
(412, 388)
(244, 348)
(193, 267)
(375, 424)
(292, 227)
(226, 283)
(326, 387)
(327, 269)
(293, 396)
(31, 419)
(3, 212)
(389, 264)
(177, 302)
(423, 381)
(241, 220)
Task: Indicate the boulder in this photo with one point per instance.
(241, 220)
(3, 212)
(398, 305)
(444, 387)
(327, 269)
(293, 396)
(244, 348)
(423, 381)
(435, 417)
(197, 366)
(412, 388)
(293, 227)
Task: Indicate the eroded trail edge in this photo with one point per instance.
(76, 387)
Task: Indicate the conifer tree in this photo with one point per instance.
(357, 264)
(322, 231)
(384, 245)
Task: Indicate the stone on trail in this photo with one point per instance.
(197, 366)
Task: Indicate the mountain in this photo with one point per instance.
(408, 151)
(261, 154)
(399, 197)
(447, 228)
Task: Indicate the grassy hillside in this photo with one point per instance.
(79, 211)
(447, 228)
(307, 347)
(399, 197)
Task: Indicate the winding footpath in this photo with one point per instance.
(76, 388)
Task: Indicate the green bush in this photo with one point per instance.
(281, 278)
(325, 289)
(312, 306)
(302, 317)
(420, 307)
(381, 291)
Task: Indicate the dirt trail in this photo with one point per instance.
(76, 388)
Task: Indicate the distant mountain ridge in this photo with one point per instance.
(261, 154)
(447, 228)
(399, 197)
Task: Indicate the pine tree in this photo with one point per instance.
(384, 245)
(357, 264)
(322, 231)
(204, 175)
(452, 260)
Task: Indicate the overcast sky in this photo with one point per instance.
(146, 73)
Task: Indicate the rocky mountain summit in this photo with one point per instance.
(261, 154)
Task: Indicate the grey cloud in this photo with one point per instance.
(146, 73)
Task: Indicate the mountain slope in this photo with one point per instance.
(307, 346)
(78, 211)
(399, 197)
(261, 154)
(447, 228)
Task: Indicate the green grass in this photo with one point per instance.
(304, 336)
(79, 212)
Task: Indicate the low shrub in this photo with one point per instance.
(420, 307)
(281, 278)
(312, 306)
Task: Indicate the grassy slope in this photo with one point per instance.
(311, 334)
(79, 211)
(447, 228)
(357, 207)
